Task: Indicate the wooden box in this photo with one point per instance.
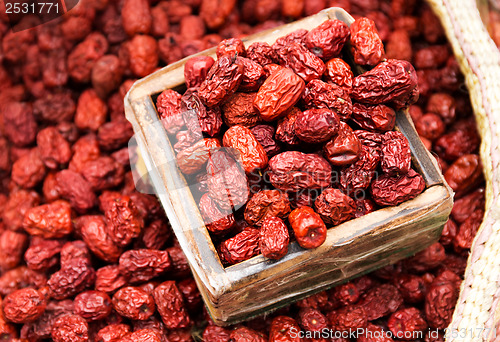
(252, 287)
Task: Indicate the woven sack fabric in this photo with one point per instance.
(478, 308)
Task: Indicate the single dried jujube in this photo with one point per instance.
(379, 118)
(327, 40)
(168, 105)
(359, 175)
(393, 190)
(133, 303)
(293, 170)
(392, 80)
(70, 328)
(319, 94)
(265, 136)
(23, 306)
(140, 265)
(93, 305)
(308, 227)
(253, 74)
(238, 109)
(196, 70)
(396, 155)
(49, 220)
(231, 46)
(274, 238)
(339, 73)
(124, 221)
(215, 220)
(344, 148)
(286, 89)
(366, 46)
(302, 61)
(285, 130)
(265, 204)
(94, 232)
(316, 125)
(73, 278)
(227, 183)
(241, 247)
(193, 159)
(170, 305)
(261, 53)
(198, 118)
(222, 80)
(334, 207)
(251, 152)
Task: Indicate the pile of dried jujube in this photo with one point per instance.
(85, 257)
(279, 103)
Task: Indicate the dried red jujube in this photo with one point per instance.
(308, 227)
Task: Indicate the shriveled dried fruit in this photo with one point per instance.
(70, 327)
(124, 221)
(390, 81)
(396, 155)
(196, 70)
(23, 306)
(393, 190)
(265, 136)
(112, 332)
(285, 131)
(93, 305)
(241, 247)
(327, 40)
(339, 73)
(334, 207)
(216, 221)
(222, 80)
(380, 301)
(94, 232)
(284, 328)
(280, 91)
(109, 279)
(366, 45)
(266, 203)
(274, 238)
(74, 277)
(238, 109)
(344, 149)
(379, 118)
(170, 305)
(348, 318)
(309, 228)
(251, 152)
(133, 303)
(54, 149)
(302, 61)
(140, 265)
(316, 125)
(50, 221)
(168, 105)
(193, 159)
(293, 171)
(198, 118)
(319, 94)
(261, 53)
(227, 183)
(245, 334)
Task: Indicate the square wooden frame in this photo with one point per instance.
(250, 288)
